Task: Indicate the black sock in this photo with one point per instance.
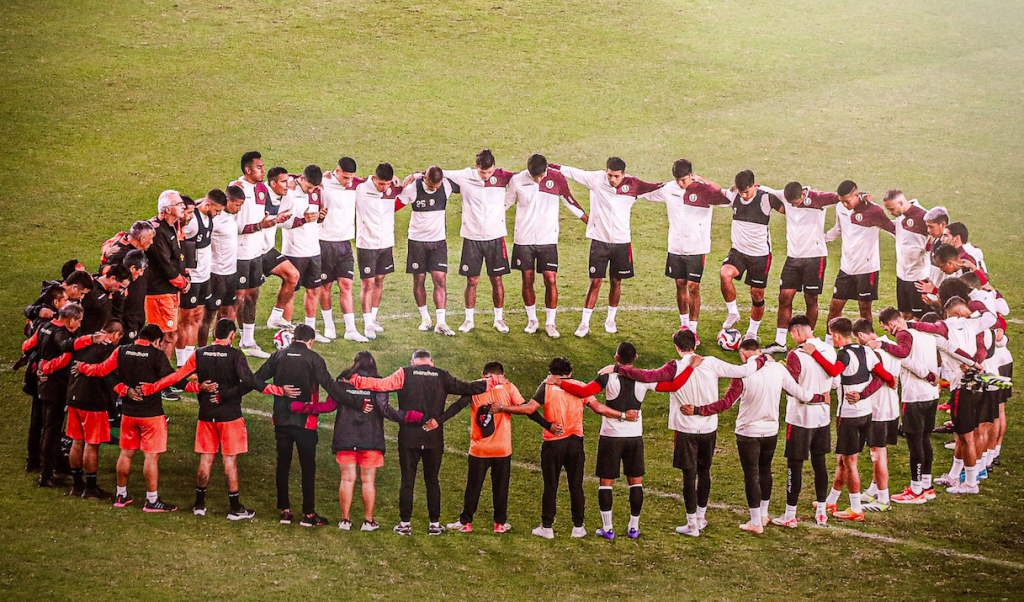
(90, 480)
(200, 497)
(76, 475)
(233, 498)
(604, 498)
(636, 499)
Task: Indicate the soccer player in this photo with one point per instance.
(359, 437)
(483, 233)
(563, 446)
(956, 234)
(166, 276)
(920, 397)
(143, 422)
(301, 367)
(536, 192)
(53, 300)
(689, 201)
(274, 263)
(301, 238)
(223, 263)
(198, 233)
(751, 251)
(612, 196)
(757, 426)
(428, 195)
(858, 221)
(861, 376)
(336, 258)
(98, 303)
(375, 241)
(424, 388)
(806, 255)
(912, 259)
(808, 434)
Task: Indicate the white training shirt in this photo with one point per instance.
(611, 209)
(913, 260)
(427, 223)
(483, 203)
(749, 230)
(224, 245)
(805, 223)
(613, 427)
(689, 215)
(859, 230)
(204, 255)
(537, 206)
(250, 246)
(812, 377)
(758, 396)
(375, 216)
(885, 403)
(300, 239)
(701, 390)
(340, 223)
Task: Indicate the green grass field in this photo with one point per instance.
(106, 104)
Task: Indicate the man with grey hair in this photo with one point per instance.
(165, 277)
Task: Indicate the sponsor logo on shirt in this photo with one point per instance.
(423, 373)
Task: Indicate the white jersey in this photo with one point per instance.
(859, 230)
(913, 260)
(427, 222)
(224, 245)
(920, 358)
(805, 224)
(701, 390)
(613, 390)
(299, 238)
(885, 404)
(375, 216)
(204, 252)
(812, 377)
(270, 232)
(749, 230)
(689, 215)
(957, 342)
(251, 240)
(340, 223)
(537, 206)
(856, 377)
(483, 203)
(978, 255)
(611, 209)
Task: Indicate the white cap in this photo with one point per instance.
(167, 199)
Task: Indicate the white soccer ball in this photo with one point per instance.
(283, 338)
(729, 339)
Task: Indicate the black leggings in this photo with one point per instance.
(501, 470)
(795, 478)
(305, 441)
(409, 460)
(756, 455)
(565, 453)
(921, 454)
(35, 434)
(696, 488)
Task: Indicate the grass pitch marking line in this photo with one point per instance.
(719, 506)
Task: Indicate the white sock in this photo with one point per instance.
(755, 516)
(702, 511)
(367, 320)
(180, 357)
(424, 313)
(404, 523)
(872, 489)
(248, 335)
(350, 322)
(998, 449)
(926, 481)
(634, 522)
(828, 340)
(611, 314)
(549, 315)
(790, 512)
(833, 497)
(329, 326)
(958, 465)
(277, 313)
(754, 326)
(151, 497)
(693, 326)
(731, 307)
(684, 321)
(972, 476)
(819, 509)
(780, 336)
(310, 321)
(691, 520)
(585, 319)
(122, 490)
(442, 316)
(469, 314)
(915, 487)
(373, 312)
(606, 520)
(189, 350)
(531, 313)
(764, 508)
(986, 458)
(883, 496)
(855, 502)
(499, 313)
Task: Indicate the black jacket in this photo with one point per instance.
(354, 430)
(227, 367)
(301, 367)
(166, 264)
(55, 344)
(128, 306)
(98, 307)
(92, 393)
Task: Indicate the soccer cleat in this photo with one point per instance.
(198, 510)
(502, 528)
(501, 326)
(983, 474)
(435, 529)
(242, 513)
(378, 327)
(582, 331)
(467, 326)
(287, 517)
(961, 488)
(458, 526)
(689, 529)
(279, 323)
(122, 500)
(425, 325)
(466, 528)
(578, 532)
(831, 508)
(369, 333)
(909, 497)
(775, 348)
(946, 481)
(877, 506)
(531, 327)
(545, 532)
(821, 519)
(609, 534)
(849, 514)
(76, 491)
(319, 338)
(995, 461)
(610, 327)
(633, 534)
(552, 331)
(929, 494)
(945, 429)
(96, 493)
(949, 445)
(345, 524)
(752, 528)
(730, 321)
(782, 521)
(314, 520)
(369, 525)
(866, 498)
(765, 521)
(942, 407)
(158, 506)
(255, 351)
(444, 329)
(355, 336)
(403, 529)
(696, 339)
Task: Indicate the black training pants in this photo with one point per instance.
(565, 453)
(53, 420)
(756, 455)
(35, 434)
(409, 459)
(305, 441)
(501, 470)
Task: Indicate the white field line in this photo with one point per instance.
(837, 530)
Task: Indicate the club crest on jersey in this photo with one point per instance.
(807, 201)
(314, 198)
(693, 197)
(261, 196)
(625, 188)
(493, 180)
(432, 201)
(910, 222)
(860, 217)
(549, 184)
(388, 191)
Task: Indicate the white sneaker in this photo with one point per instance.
(273, 322)
(467, 326)
(961, 488)
(950, 445)
(730, 321)
(369, 333)
(610, 327)
(444, 329)
(545, 532)
(378, 327)
(552, 331)
(583, 330)
(702, 523)
(345, 524)
(500, 326)
(579, 532)
(330, 334)
(531, 327)
(255, 351)
(457, 525)
(355, 336)
(688, 529)
(425, 325)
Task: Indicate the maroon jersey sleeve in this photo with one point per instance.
(820, 200)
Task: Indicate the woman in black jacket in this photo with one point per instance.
(359, 437)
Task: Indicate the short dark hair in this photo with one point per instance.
(347, 164)
(946, 306)
(113, 325)
(797, 321)
(537, 165)
(862, 326)
(217, 196)
(52, 294)
(953, 287)
(384, 172)
(79, 278)
(846, 187)
(971, 279)
(224, 328)
(248, 158)
(792, 191)
(119, 272)
(750, 345)
(420, 354)
(137, 259)
(189, 201)
(275, 173)
(744, 180)
(930, 318)
(685, 340)
(151, 333)
(888, 314)
(615, 164)
(681, 168)
(560, 366)
(944, 252)
(70, 267)
(236, 193)
(485, 159)
(304, 333)
(493, 368)
(892, 194)
(958, 229)
(71, 311)
(434, 174)
(841, 326)
(626, 353)
(313, 174)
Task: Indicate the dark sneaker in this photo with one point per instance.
(31, 466)
(76, 492)
(242, 513)
(158, 506)
(287, 517)
(122, 500)
(53, 482)
(314, 520)
(435, 529)
(96, 493)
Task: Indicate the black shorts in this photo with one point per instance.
(375, 262)
(613, 452)
(685, 267)
(336, 260)
(426, 257)
(535, 258)
(802, 443)
(862, 287)
(805, 274)
(222, 291)
(852, 434)
(988, 406)
(249, 273)
(310, 272)
(611, 259)
(756, 268)
(272, 259)
(477, 252)
(1007, 371)
(963, 409)
(919, 417)
(883, 433)
(694, 451)
(197, 296)
(908, 298)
